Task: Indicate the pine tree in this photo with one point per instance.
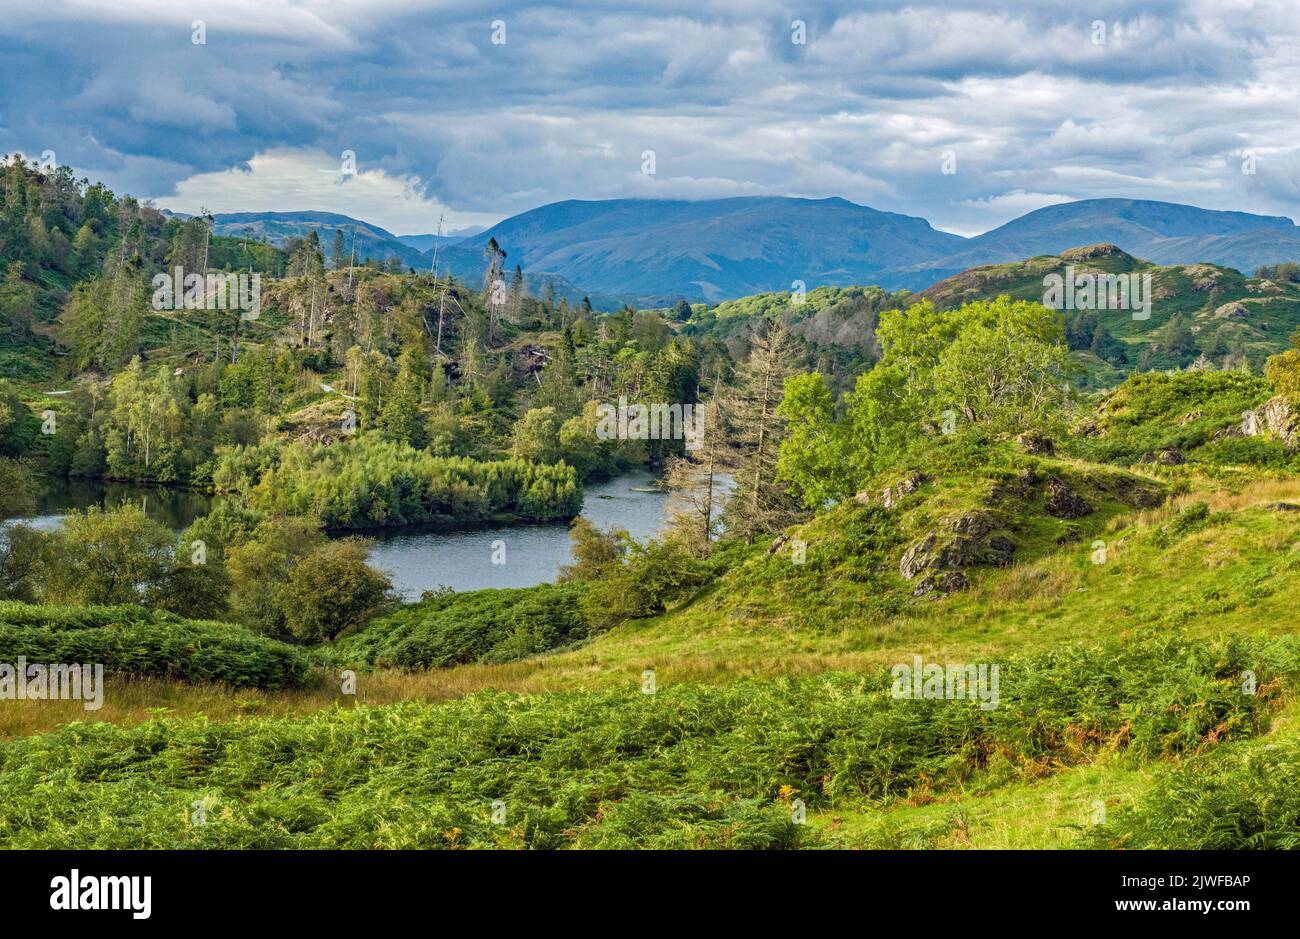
(759, 504)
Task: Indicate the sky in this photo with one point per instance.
(967, 114)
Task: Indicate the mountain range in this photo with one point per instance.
(654, 252)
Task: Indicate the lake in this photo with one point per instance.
(417, 560)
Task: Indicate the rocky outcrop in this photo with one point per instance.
(1090, 252)
(1233, 310)
(1036, 444)
(1164, 458)
(918, 557)
(935, 561)
(892, 495)
(1064, 502)
(1282, 420)
(937, 585)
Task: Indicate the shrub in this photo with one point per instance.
(692, 765)
(479, 626)
(1283, 372)
(1243, 798)
(133, 641)
(654, 575)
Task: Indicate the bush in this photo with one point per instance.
(653, 576)
(1283, 372)
(1152, 412)
(133, 641)
(480, 626)
(105, 557)
(1242, 798)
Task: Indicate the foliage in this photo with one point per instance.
(480, 626)
(373, 483)
(132, 641)
(691, 765)
(1283, 373)
(642, 584)
(332, 590)
(993, 367)
(1182, 411)
(1242, 799)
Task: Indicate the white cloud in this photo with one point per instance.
(298, 180)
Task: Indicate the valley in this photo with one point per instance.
(377, 568)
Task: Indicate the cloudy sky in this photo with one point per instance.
(482, 110)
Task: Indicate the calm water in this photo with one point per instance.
(417, 561)
(175, 508)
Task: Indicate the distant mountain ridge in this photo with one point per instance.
(654, 252)
(1162, 232)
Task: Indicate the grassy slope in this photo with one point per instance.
(1271, 309)
(1168, 572)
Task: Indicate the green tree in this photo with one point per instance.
(106, 556)
(1179, 341)
(815, 455)
(331, 591)
(537, 436)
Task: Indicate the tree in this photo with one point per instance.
(537, 436)
(493, 284)
(993, 367)
(1179, 341)
(102, 320)
(332, 590)
(191, 589)
(339, 251)
(17, 489)
(1106, 347)
(652, 576)
(815, 456)
(17, 302)
(595, 552)
(759, 503)
(106, 557)
(1283, 372)
(1005, 372)
(399, 418)
(996, 365)
(262, 562)
(18, 425)
(694, 476)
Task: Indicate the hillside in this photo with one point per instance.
(774, 685)
(1232, 317)
(714, 249)
(371, 241)
(1163, 232)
